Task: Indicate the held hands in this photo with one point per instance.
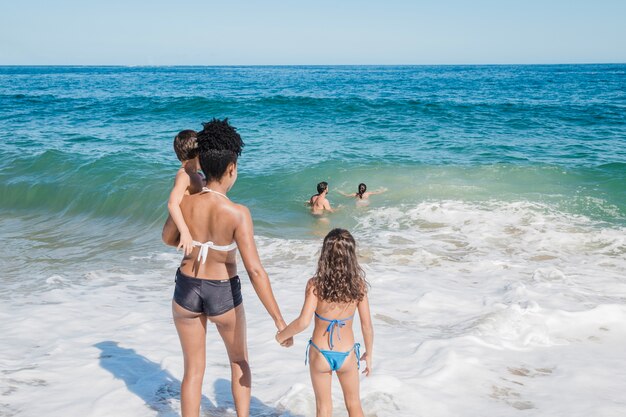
(185, 242)
(368, 364)
(282, 341)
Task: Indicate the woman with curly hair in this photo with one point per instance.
(337, 290)
(207, 284)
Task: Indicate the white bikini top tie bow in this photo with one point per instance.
(204, 248)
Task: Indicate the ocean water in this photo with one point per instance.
(497, 257)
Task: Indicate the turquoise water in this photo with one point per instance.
(496, 258)
(95, 142)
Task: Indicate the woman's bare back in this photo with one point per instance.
(211, 218)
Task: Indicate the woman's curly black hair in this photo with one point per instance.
(219, 145)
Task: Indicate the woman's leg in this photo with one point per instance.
(191, 329)
(232, 327)
(321, 379)
(348, 376)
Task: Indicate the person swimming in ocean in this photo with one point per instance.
(362, 195)
(318, 202)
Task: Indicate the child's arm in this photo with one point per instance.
(173, 205)
(304, 319)
(368, 333)
(345, 195)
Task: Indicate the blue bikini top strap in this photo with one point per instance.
(338, 323)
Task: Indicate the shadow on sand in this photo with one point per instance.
(160, 390)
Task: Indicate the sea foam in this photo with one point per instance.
(478, 309)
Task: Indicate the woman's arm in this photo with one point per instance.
(368, 333)
(304, 319)
(244, 236)
(170, 234)
(379, 191)
(345, 195)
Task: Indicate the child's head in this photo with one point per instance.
(362, 188)
(321, 187)
(185, 145)
(339, 278)
(219, 146)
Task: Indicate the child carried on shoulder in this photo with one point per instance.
(188, 181)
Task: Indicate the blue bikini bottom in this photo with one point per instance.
(334, 359)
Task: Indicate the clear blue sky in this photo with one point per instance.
(232, 32)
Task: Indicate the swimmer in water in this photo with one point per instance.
(362, 195)
(318, 202)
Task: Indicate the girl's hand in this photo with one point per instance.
(368, 364)
(186, 242)
(281, 325)
(284, 343)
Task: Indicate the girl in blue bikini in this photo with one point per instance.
(333, 296)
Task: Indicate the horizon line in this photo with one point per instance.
(308, 65)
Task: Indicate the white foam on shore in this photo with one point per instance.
(491, 309)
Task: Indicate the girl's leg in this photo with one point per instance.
(232, 327)
(348, 376)
(321, 378)
(191, 329)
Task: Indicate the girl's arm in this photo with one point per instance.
(368, 333)
(244, 236)
(173, 205)
(304, 319)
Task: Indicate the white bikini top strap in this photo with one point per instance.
(225, 248)
(208, 190)
(204, 248)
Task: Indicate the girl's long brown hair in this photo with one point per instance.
(339, 278)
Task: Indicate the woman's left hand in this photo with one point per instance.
(284, 343)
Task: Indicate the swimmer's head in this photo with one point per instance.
(321, 187)
(219, 146)
(186, 145)
(339, 278)
(362, 189)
